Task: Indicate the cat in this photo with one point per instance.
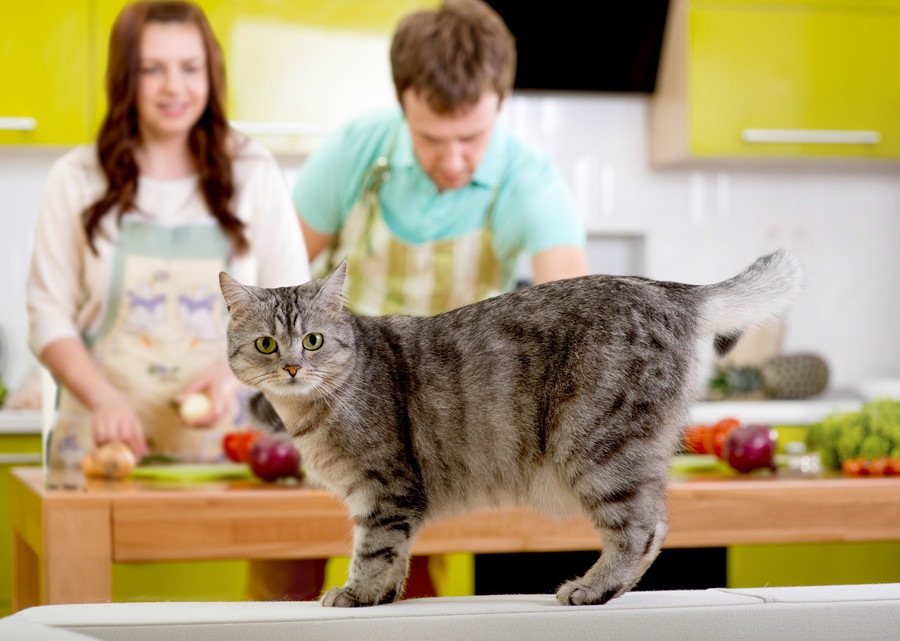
(570, 395)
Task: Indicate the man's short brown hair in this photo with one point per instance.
(452, 55)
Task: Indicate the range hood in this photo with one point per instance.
(573, 45)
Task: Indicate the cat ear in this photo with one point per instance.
(235, 294)
(331, 296)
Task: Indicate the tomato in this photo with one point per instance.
(879, 466)
(893, 466)
(693, 438)
(719, 433)
(237, 444)
(851, 466)
(856, 467)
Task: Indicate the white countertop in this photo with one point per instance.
(802, 412)
(20, 422)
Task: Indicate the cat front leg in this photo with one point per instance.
(382, 543)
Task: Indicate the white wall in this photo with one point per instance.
(693, 226)
(703, 226)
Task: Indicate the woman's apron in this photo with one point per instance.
(163, 325)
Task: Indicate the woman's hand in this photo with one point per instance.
(112, 417)
(220, 385)
(114, 421)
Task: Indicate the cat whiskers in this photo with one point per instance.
(253, 381)
(330, 394)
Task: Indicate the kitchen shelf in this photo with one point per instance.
(20, 422)
(771, 412)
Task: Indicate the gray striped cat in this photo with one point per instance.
(570, 395)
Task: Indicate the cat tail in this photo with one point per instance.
(760, 294)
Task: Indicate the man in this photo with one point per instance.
(434, 201)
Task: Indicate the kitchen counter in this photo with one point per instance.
(802, 412)
(771, 412)
(65, 543)
(20, 422)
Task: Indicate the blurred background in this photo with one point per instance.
(644, 107)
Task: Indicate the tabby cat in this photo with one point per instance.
(564, 396)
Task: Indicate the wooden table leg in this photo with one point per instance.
(77, 551)
(62, 546)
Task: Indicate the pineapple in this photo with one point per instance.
(795, 376)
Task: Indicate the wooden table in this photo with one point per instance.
(64, 543)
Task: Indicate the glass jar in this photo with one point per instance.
(796, 461)
(66, 444)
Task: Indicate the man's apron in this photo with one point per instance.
(386, 275)
(163, 325)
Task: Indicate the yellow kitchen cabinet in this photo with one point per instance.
(777, 79)
(296, 68)
(44, 53)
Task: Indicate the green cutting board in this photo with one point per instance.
(193, 472)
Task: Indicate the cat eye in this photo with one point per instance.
(266, 344)
(313, 341)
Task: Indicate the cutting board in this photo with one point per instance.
(193, 472)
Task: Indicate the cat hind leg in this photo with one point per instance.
(630, 545)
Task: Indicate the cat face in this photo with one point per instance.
(289, 341)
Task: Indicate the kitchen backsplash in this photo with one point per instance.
(695, 226)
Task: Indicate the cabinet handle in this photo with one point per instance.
(813, 136)
(18, 124)
(20, 459)
(264, 128)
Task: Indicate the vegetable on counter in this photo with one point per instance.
(744, 447)
(870, 434)
(881, 466)
(112, 461)
(194, 407)
(709, 439)
(751, 447)
(236, 445)
(275, 457)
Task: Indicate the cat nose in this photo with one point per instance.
(291, 369)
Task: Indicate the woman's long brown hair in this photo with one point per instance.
(119, 134)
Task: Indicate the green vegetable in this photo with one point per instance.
(871, 432)
(730, 382)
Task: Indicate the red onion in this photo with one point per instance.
(272, 458)
(750, 447)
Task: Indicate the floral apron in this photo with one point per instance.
(163, 325)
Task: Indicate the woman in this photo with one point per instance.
(123, 292)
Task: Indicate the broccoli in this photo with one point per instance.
(872, 432)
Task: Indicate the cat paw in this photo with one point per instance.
(341, 598)
(575, 593)
(346, 598)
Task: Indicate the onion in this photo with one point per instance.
(195, 407)
(111, 461)
(272, 458)
(750, 447)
